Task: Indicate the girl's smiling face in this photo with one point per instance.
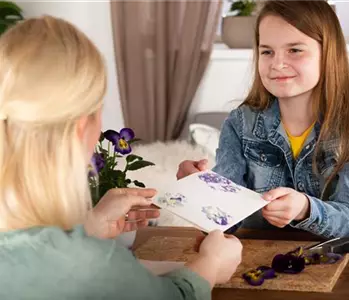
(289, 60)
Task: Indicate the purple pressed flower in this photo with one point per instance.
(268, 273)
(98, 161)
(218, 182)
(323, 259)
(120, 140)
(217, 215)
(224, 221)
(257, 277)
(288, 263)
(254, 277)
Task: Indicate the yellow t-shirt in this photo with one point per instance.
(298, 141)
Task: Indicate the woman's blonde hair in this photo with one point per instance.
(317, 20)
(51, 75)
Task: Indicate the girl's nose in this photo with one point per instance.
(278, 62)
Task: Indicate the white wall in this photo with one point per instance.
(342, 9)
(226, 81)
(93, 18)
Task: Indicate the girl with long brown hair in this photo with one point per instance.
(290, 138)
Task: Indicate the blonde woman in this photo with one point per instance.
(52, 81)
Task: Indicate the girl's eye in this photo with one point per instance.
(293, 50)
(266, 52)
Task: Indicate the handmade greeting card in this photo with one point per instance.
(209, 201)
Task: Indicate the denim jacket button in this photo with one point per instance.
(263, 157)
(300, 186)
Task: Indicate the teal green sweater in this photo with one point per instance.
(48, 263)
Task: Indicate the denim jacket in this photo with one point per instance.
(254, 151)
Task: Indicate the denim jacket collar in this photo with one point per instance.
(267, 121)
(268, 127)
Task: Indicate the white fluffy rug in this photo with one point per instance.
(166, 157)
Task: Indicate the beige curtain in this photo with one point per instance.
(162, 49)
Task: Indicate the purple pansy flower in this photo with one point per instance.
(256, 277)
(97, 164)
(287, 263)
(322, 259)
(98, 161)
(120, 140)
(292, 262)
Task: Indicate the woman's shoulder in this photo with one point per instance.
(67, 264)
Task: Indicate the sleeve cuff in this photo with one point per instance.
(200, 286)
(311, 223)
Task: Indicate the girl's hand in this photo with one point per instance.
(285, 205)
(108, 218)
(188, 167)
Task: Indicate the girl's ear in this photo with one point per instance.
(81, 127)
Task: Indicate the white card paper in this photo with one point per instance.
(209, 201)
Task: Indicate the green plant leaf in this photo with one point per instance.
(102, 150)
(118, 178)
(9, 13)
(139, 165)
(3, 28)
(9, 4)
(243, 7)
(132, 157)
(139, 184)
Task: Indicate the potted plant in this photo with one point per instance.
(10, 14)
(239, 24)
(111, 162)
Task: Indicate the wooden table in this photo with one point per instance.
(340, 291)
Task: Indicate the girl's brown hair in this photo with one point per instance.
(317, 20)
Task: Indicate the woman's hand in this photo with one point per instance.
(219, 256)
(285, 205)
(108, 218)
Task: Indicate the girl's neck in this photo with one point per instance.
(297, 113)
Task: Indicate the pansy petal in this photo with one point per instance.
(288, 263)
(92, 173)
(122, 147)
(112, 136)
(331, 258)
(327, 258)
(127, 134)
(268, 273)
(298, 252)
(97, 161)
(253, 277)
